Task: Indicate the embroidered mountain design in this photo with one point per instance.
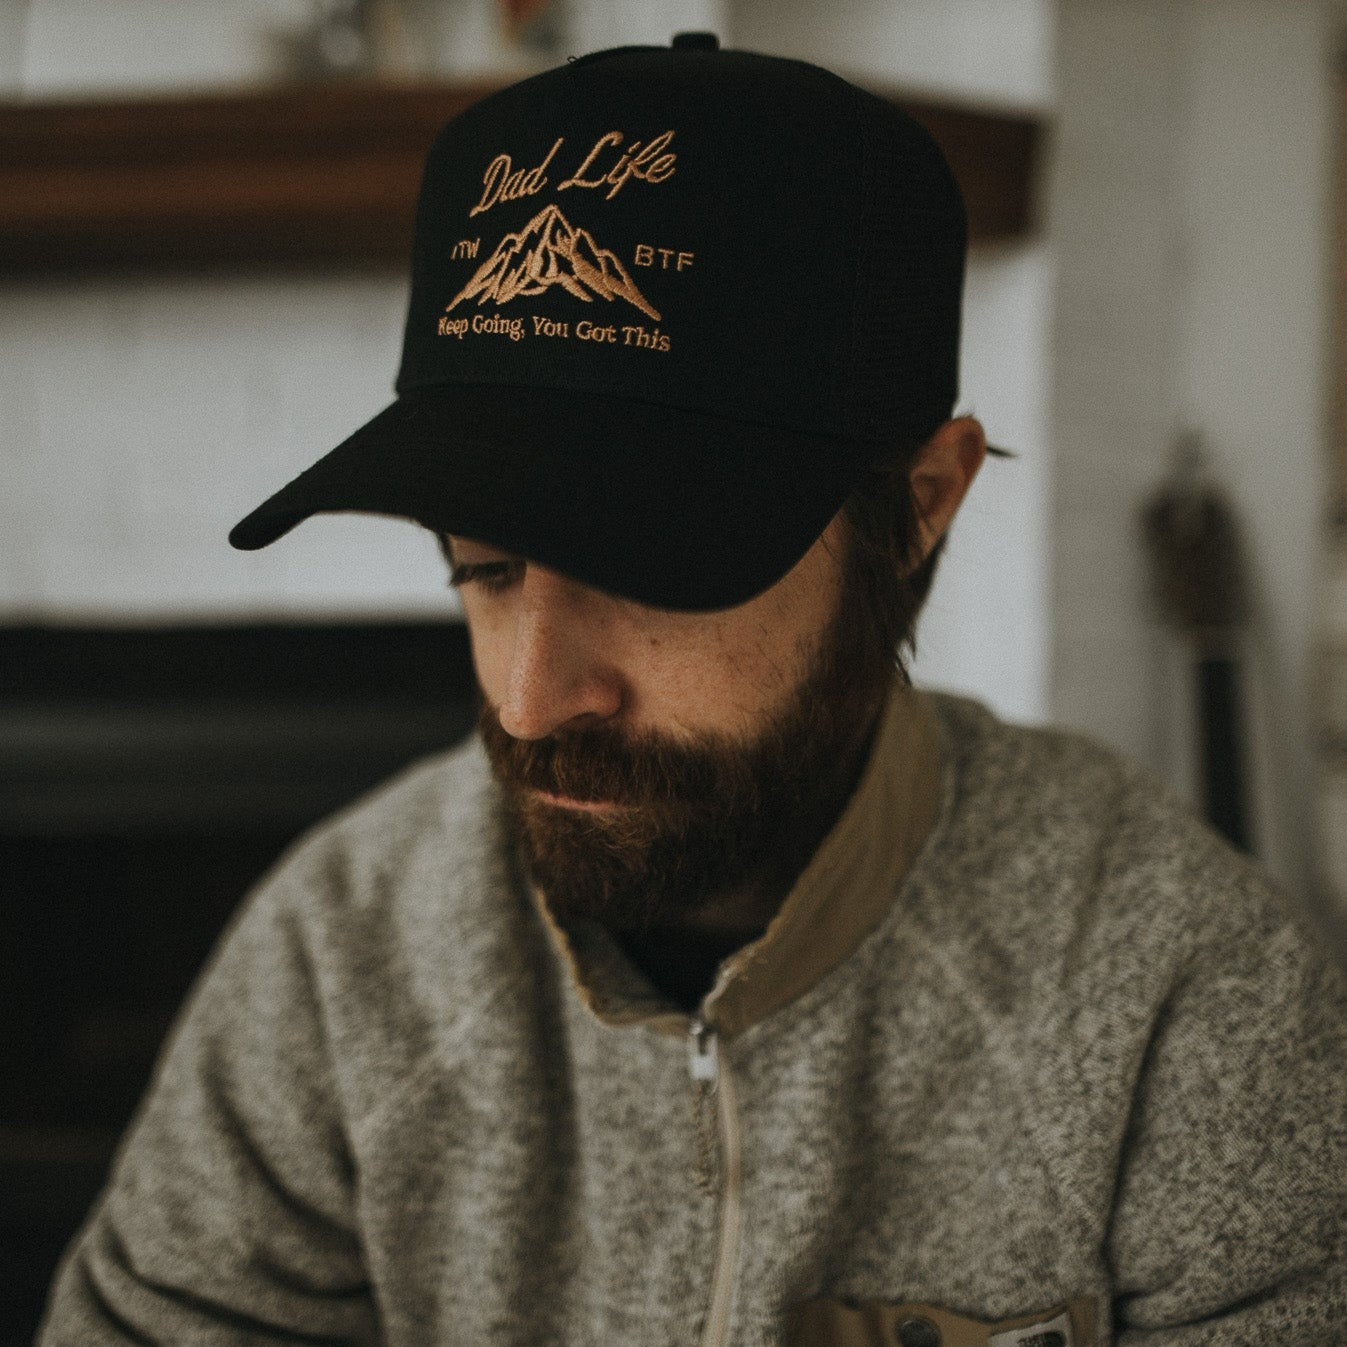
(550, 251)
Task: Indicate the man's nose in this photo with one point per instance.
(560, 673)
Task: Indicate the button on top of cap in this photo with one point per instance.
(695, 42)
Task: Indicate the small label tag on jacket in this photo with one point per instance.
(1055, 1333)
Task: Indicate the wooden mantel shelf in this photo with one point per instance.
(317, 174)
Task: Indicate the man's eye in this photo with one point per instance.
(490, 575)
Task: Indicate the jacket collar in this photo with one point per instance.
(842, 894)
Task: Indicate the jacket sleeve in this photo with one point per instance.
(229, 1215)
(1230, 1221)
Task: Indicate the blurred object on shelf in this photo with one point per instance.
(521, 11)
(405, 39)
(535, 25)
(347, 39)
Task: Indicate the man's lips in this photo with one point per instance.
(565, 802)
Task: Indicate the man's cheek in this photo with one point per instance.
(489, 660)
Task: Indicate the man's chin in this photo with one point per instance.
(623, 865)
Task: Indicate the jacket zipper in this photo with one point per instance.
(714, 1089)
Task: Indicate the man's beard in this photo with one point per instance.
(696, 818)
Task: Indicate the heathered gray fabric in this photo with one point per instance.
(1086, 1053)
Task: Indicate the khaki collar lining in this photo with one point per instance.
(842, 895)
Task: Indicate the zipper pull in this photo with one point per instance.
(704, 1063)
(703, 1052)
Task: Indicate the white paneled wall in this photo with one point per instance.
(80, 46)
(141, 418)
(997, 52)
(1119, 252)
(1255, 331)
(595, 24)
(1191, 239)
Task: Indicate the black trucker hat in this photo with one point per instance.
(667, 306)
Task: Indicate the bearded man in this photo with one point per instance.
(724, 988)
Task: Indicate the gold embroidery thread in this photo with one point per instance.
(550, 251)
(499, 183)
(649, 163)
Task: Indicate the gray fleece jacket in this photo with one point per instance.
(1028, 1057)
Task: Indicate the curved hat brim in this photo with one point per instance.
(669, 507)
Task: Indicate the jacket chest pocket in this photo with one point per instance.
(834, 1323)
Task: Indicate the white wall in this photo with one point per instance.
(1255, 341)
(991, 52)
(142, 417)
(78, 48)
(595, 24)
(1190, 222)
(1115, 206)
(986, 628)
(13, 30)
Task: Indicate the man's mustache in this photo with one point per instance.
(605, 764)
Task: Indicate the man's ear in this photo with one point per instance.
(941, 475)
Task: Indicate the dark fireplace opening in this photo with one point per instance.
(148, 778)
